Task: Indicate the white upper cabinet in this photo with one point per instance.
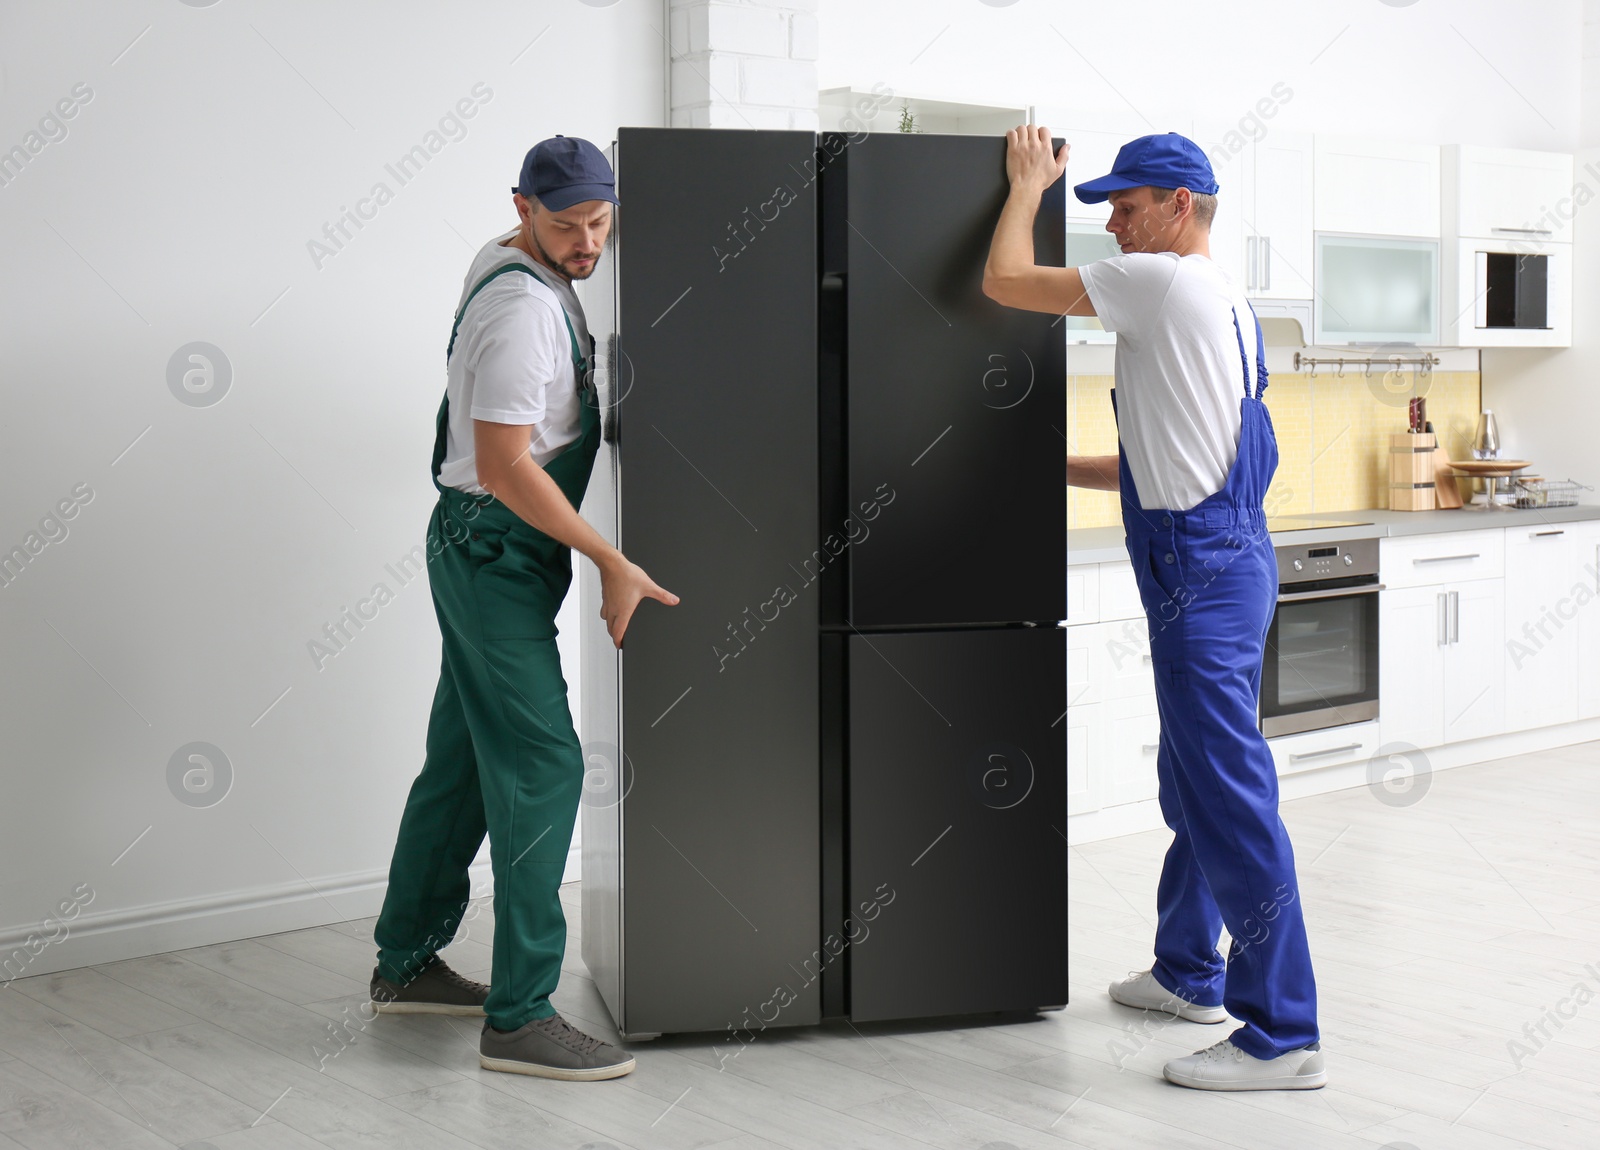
(1376, 187)
(1492, 193)
(1507, 251)
(1262, 236)
(1090, 156)
(1279, 218)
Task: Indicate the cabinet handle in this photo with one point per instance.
(1447, 558)
(1148, 659)
(1250, 263)
(1148, 747)
(1542, 534)
(1455, 616)
(1525, 231)
(1266, 263)
(1295, 758)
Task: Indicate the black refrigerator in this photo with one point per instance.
(831, 782)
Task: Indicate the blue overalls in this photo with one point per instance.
(1209, 580)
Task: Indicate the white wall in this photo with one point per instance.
(1547, 403)
(211, 141)
(1479, 71)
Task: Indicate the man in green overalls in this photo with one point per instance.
(517, 435)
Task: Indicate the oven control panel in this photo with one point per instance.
(1314, 562)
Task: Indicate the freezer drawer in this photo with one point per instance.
(956, 810)
(954, 407)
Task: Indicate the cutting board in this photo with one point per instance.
(1445, 489)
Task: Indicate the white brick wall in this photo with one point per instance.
(744, 63)
(1589, 87)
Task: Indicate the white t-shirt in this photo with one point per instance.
(513, 361)
(1178, 373)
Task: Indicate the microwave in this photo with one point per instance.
(1511, 292)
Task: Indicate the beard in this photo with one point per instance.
(572, 273)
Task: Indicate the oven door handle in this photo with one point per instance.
(1303, 596)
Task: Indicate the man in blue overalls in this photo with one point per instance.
(1197, 451)
(516, 438)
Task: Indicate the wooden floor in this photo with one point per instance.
(1440, 928)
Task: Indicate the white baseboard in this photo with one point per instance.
(111, 936)
(1133, 818)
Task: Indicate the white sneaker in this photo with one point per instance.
(1226, 1067)
(1141, 991)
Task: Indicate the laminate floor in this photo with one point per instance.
(1453, 933)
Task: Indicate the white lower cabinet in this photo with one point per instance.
(1545, 580)
(1441, 670)
(1082, 722)
(1475, 662)
(1586, 553)
(1411, 642)
(1112, 726)
(1133, 735)
(1310, 750)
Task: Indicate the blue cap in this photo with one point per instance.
(565, 170)
(1164, 161)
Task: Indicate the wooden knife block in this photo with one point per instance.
(1411, 475)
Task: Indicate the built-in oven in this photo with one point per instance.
(1320, 667)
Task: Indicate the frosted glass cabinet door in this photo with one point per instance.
(1376, 290)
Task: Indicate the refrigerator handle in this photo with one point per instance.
(611, 421)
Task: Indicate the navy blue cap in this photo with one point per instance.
(565, 170)
(1164, 161)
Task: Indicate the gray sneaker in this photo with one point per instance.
(551, 1048)
(435, 990)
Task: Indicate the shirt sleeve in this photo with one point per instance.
(1127, 291)
(515, 357)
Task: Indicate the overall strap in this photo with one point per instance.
(1244, 359)
(578, 359)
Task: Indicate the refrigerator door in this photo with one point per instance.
(713, 896)
(953, 509)
(957, 809)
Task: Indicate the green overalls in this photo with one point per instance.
(502, 755)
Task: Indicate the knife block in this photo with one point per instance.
(1411, 482)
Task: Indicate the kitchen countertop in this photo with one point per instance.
(1105, 544)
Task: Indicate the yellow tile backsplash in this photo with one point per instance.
(1332, 436)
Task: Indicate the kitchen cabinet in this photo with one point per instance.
(1083, 720)
(1083, 593)
(1586, 553)
(1451, 556)
(1542, 570)
(1092, 152)
(1490, 192)
(1507, 258)
(1277, 214)
(1474, 661)
(1411, 665)
(1262, 235)
(1132, 732)
(1310, 750)
(1442, 665)
(1376, 290)
(1112, 725)
(1369, 186)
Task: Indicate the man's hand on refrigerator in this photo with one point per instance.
(1030, 165)
(623, 586)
